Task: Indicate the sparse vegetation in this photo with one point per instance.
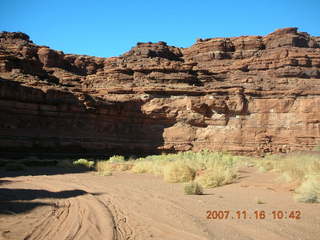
(309, 190)
(212, 169)
(218, 176)
(193, 188)
(84, 163)
(104, 166)
(178, 172)
(143, 167)
(209, 169)
(303, 169)
(259, 201)
(116, 159)
(114, 163)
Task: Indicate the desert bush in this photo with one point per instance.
(107, 166)
(116, 159)
(182, 166)
(217, 176)
(155, 167)
(15, 166)
(142, 167)
(179, 167)
(103, 166)
(292, 167)
(123, 166)
(84, 163)
(303, 169)
(309, 190)
(193, 188)
(178, 172)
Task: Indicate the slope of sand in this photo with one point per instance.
(131, 206)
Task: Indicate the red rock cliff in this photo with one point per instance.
(248, 94)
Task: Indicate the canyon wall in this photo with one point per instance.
(249, 95)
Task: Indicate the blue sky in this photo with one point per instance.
(110, 28)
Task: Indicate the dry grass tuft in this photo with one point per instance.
(180, 167)
(114, 163)
(193, 188)
(217, 176)
(142, 167)
(178, 172)
(309, 190)
(104, 166)
(302, 168)
(259, 201)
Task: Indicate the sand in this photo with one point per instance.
(132, 206)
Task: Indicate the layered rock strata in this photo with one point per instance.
(250, 94)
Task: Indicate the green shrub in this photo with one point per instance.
(116, 159)
(193, 188)
(84, 163)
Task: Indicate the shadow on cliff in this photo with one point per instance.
(136, 133)
(15, 201)
(60, 124)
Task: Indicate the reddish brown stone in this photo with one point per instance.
(249, 94)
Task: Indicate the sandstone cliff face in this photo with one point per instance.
(249, 94)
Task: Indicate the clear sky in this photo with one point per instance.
(110, 28)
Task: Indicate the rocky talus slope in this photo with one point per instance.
(249, 94)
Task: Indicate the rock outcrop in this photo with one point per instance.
(250, 95)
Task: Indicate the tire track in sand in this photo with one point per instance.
(88, 216)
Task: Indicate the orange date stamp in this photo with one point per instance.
(254, 215)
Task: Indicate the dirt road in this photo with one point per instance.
(131, 206)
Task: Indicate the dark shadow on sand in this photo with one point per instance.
(15, 201)
(35, 171)
(13, 208)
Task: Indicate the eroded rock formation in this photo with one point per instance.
(248, 94)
